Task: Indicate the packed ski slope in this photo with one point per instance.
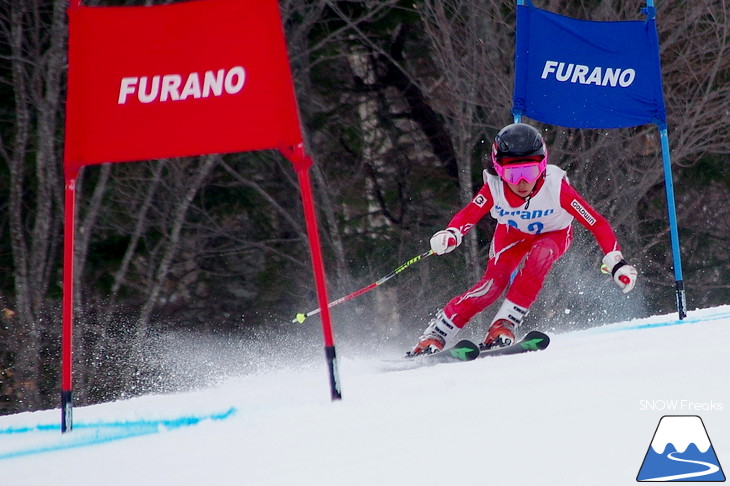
(582, 412)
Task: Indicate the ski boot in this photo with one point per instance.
(501, 333)
(440, 331)
(504, 326)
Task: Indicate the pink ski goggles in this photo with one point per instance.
(530, 169)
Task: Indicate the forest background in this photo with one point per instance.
(399, 101)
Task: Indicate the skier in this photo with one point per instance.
(534, 206)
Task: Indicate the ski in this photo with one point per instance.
(464, 350)
(532, 341)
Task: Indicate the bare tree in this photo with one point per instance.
(36, 51)
(472, 89)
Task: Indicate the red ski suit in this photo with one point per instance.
(520, 235)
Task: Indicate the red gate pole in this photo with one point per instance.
(70, 176)
(302, 162)
(68, 303)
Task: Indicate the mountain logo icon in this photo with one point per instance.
(680, 451)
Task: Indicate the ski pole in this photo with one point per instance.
(301, 317)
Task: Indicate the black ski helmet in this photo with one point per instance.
(518, 140)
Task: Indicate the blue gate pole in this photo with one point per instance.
(671, 209)
(674, 233)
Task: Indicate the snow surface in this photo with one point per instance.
(582, 412)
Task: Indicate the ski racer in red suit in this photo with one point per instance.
(534, 206)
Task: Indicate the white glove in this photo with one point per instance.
(623, 274)
(445, 241)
